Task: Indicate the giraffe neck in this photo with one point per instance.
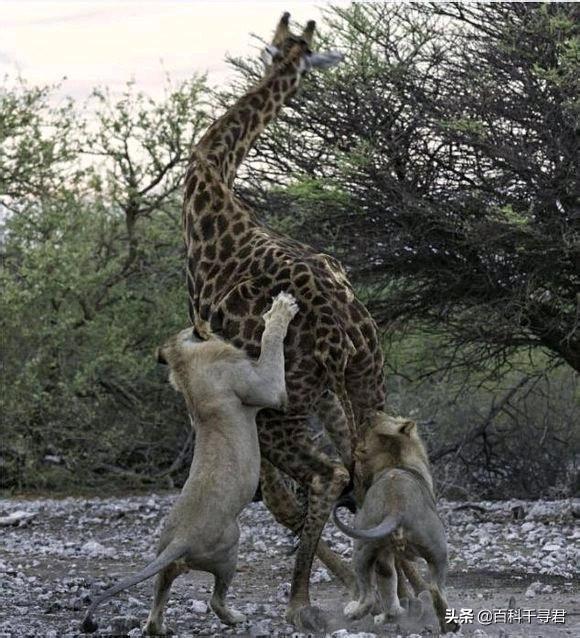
(229, 139)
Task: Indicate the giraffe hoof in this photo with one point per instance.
(449, 627)
(307, 619)
(89, 626)
(153, 629)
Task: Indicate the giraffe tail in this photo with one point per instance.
(336, 371)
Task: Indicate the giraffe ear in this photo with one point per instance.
(269, 54)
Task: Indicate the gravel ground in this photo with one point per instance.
(52, 562)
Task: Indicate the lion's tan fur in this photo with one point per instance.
(398, 520)
(403, 450)
(223, 390)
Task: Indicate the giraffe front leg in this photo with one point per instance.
(200, 324)
(324, 480)
(324, 489)
(283, 502)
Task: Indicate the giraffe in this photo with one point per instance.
(235, 265)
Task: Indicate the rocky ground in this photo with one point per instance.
(56, 553)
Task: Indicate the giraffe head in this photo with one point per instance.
(288, 48)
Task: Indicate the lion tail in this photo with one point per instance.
(167, 556)
(384, 529)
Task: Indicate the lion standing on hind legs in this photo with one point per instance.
(234, 267)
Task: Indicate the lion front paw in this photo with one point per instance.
(284, 308)
(228, 615)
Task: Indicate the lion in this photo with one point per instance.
(223, 390)
(398, 520)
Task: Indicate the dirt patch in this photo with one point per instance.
(53, 563)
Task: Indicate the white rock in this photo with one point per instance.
(198, 607)
(283, 592)
(542, 509)
(135, 601)
(251, 608)
(260, 546)
(262, 628)
(94, 548)
(532, 590)
(526, 527)
(20, 516)
(320, 576)
(484, 539)
(551, 547)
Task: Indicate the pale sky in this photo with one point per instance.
(100, 42)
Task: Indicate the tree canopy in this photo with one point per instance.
(92, 278)
(440, 161)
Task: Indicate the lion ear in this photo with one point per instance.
(407, 427)
(160, 356)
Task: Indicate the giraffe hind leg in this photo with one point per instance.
(279, 493)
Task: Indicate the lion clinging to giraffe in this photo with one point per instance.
(235, 265)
